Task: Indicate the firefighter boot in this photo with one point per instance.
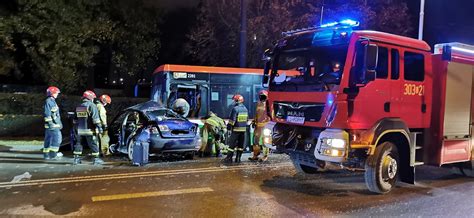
(54, 155)
(228, 159)
(238, 156)
(46, 156)
(98, 161)
(77, 160)
(256, 152)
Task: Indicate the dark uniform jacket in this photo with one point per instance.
(238, 118)
(52, 118)
(87, 117)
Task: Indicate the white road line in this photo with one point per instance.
(150, 194)
(130, 175)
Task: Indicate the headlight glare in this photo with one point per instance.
(164, 128)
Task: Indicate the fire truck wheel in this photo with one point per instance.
(381, 169)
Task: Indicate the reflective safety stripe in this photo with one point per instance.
(212, 122)
(230, 149)
(77, 152)
(54, 149)
(56, 125)
(46, 126)
(85, 132)
(54, 109)
(239, 129)
(47, 119)
(262, 124)
(242, 117)
(96, 121)
(46, 150)
(231, 122)
(239, 149)
(95, 154)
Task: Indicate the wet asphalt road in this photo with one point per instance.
(205, 188)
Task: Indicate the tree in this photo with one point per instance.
(58, 39)
(214, 40)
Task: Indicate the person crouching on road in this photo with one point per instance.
(261, 119)
(103, 101)
(238, 126)
(88, 125)
(52, 125)
(212, 134)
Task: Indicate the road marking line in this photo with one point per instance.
(150, 194)
(137, 173)
(130, 175)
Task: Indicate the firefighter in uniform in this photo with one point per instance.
(88, 125)
(238, 126)
(52, 124)
(261, 119)
(212, 135)
(103, 101)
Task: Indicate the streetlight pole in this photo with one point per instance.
(243, 33)
(420, 25)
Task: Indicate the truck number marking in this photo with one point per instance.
(412, 89)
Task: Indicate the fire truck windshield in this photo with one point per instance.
(315, 69)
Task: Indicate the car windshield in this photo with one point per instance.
(162, 114)
(315, 69)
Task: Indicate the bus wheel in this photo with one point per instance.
(381, 169)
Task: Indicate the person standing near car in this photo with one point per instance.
(261, 119)
(52, 124)
(88, 125)
(238, 126)
(103, 101)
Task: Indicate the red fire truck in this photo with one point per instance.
(372, 100)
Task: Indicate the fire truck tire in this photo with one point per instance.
(381, 169)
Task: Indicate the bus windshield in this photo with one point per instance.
(316, 69)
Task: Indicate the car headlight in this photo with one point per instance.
(164, 128)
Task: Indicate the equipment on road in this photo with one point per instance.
(394, 105)
(141, 149)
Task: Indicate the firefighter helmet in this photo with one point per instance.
(263, 92)
(88, 94)
(238, 98)
(181, 106)
(50, 91)
(105, 99)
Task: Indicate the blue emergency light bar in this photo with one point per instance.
(342, 23)
(448, 50)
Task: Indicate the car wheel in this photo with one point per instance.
(130, 149)
(381, 169)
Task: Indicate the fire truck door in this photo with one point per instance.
(457, 123)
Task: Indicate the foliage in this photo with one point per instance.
(215, 38)
(58, 39)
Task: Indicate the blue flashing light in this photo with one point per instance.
(349, 22)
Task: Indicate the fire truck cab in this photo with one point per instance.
(372, 100)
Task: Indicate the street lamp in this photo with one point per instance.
(420, 25)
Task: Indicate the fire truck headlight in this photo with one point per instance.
(336, 143)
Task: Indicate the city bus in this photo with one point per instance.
(206, 88)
